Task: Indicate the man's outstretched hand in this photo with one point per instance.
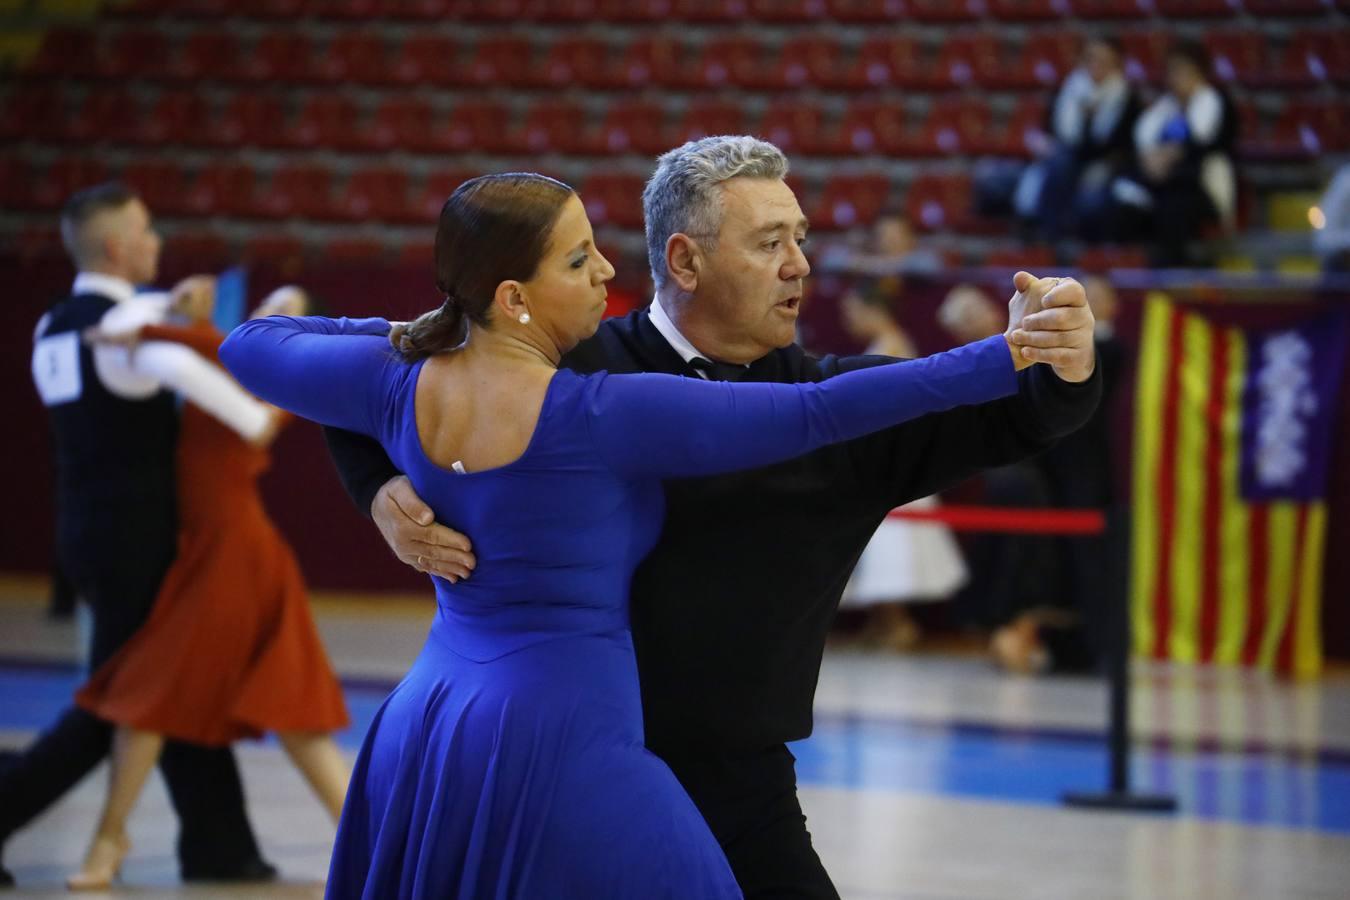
(1049, 321)
(409, 527)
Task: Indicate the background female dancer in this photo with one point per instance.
(230, 650)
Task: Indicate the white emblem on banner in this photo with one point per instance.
(56, 368)
(1286, 399)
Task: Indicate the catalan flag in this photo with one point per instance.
(1232, 442)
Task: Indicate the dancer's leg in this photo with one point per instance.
(316, 756)
(133, 756)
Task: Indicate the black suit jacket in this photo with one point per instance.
(730, 611)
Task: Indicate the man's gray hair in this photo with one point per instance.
(682, 195)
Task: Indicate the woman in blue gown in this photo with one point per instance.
(510, 760)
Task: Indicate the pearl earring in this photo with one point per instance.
(525, 318)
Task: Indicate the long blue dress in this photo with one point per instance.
(510, 760)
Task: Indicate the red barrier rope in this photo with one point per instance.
(1009, 520)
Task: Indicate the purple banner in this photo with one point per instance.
(1288, 408)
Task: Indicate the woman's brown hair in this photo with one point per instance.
(494, 228)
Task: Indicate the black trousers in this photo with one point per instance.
(116, 562)
(750, 802)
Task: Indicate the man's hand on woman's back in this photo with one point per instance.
(410, 529)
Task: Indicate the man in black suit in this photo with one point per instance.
(114, 426)
(730, 611)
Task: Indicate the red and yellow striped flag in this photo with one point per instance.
(1228, 535)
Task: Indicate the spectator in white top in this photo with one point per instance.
(1185, 178)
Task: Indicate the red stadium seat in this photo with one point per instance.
(490, 10)
(849, 201)
(801, 62)
(354, 10)
(196, 250)
(325, 120)
(958, 125)
(34, 112)
(437, 189)
(1239, 57)
(177, 117)
(969, 59)
(1026, 10)
(554, 127)
(67, 51)
(197, 9)
(279, 10)
(867, 12)
(1033, 257)
(1145, 54)
(1042, 60)
(405, 123)
(1284, 8)
(426, 61)
(135, 53)
(939, 202)
(15, 183)
(634, 126)
(54, 184)
(1316, 57)
(649, 61)
(1027, 117)
(789, 12)
(1104, 258)
(614, 199)
(480, 125)
(418, 254)
(558, 12)
(1110, 9)
(946, 10)
(710, 12)
(576, 61)
(354, 56)
(247, 118)
(297, 190)
(871, 126)
(500, 62)
(794, 126)
(634, 11)
(108, 114)
(285, 56)
(228, 189)
(1195, 9)
(708, 118)
(1313, 127)
(161, 183)
(419, 10)
(901, 61)
(278, 249)
(376, 195)
(355, 250)
(724, 62)
(207, 54)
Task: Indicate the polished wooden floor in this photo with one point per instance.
(929, 777)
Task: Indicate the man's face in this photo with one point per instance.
(751, 287)
(133, 244)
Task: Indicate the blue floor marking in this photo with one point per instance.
(982, 762)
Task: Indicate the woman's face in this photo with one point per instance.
(566, 296)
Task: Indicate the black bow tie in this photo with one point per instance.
(717, 371)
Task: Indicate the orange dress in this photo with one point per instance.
(230, 650)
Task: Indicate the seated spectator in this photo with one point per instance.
(890, 250)
(1184, 180)
(1089, 142)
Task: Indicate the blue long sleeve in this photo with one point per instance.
(668, 427)
(296, 364)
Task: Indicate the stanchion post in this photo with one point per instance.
(1117, 642)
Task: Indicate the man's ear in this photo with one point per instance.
(684, 262)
